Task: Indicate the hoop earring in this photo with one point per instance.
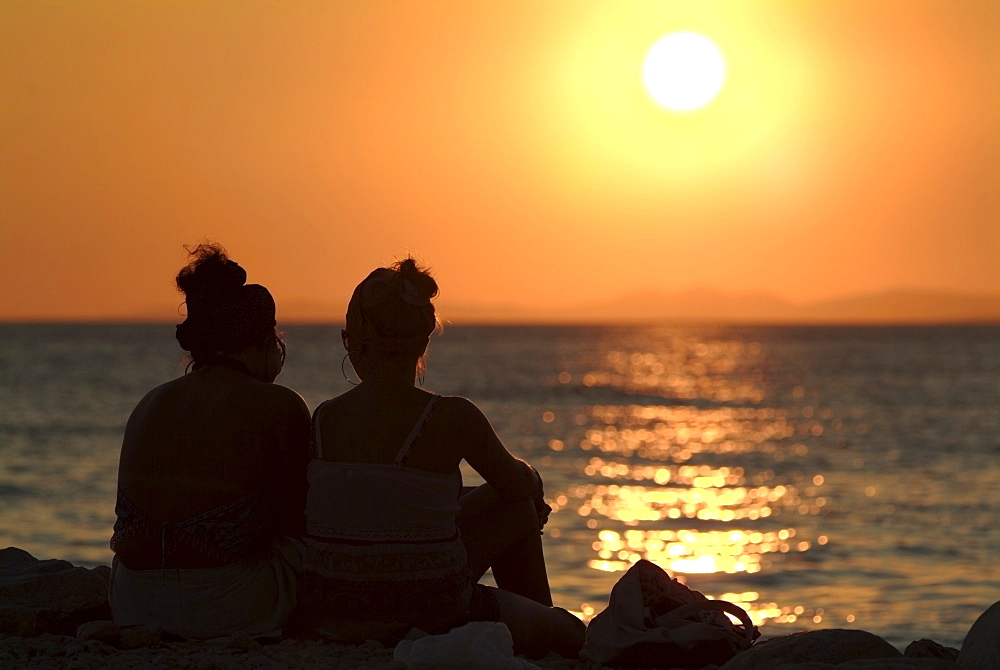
(344, 372)
(421, 369)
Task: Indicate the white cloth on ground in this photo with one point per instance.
(479, 645)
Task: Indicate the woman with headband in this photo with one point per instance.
(212, 477)
(391, 542)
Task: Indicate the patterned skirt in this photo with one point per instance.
(353, 592)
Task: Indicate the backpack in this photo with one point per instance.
(654, 621)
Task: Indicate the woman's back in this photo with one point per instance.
(212, 470)
(370, 424)
(378, 498)
(200, 440)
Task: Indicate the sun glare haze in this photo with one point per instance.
(849, 150)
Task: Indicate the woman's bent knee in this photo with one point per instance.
(556, 630)
(571, 633)
(537, 629)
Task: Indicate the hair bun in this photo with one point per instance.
(407, 267)
(223, 312)
(417, 285)
(211, 275)
(391, 309)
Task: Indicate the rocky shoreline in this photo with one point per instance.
(55, 615)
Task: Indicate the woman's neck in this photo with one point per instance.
(229, 363)
(378, 371)
(390, 377)
(251, 361)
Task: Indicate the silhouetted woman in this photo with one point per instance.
(390, 544)
(212, 477)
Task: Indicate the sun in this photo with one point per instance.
(683, 71)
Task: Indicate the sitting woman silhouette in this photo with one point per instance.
(212, 477)
(391, 542)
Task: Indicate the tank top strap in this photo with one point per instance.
(317, 444)
(404, 452)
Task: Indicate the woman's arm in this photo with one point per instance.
(511, 477)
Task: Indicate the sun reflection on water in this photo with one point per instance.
(656, 483)
(678, 433)
(686, 369)
(701, 492)
(692, 551)
(632, 504)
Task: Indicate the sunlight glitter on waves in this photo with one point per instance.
(691, 551)
(677, 433)
(719, 371)
(701, 476)
(632, 504)
(675, 386)
(702, 492)
(698, 476)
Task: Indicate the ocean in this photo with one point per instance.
(821, 477)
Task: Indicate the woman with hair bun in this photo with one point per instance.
(393, 541)
(212, 476)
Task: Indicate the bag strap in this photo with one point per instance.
(684, 611)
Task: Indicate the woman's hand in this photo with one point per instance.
(542, 508)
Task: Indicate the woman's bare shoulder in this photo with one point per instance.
(458, 404)
(463, 412)
(286, 398)
(162, 393)
(337, 405)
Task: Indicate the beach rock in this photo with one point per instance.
(240, 640)
(50, 596)
(12, 649)
(104, 572)
(833, 646)
(930, 649)
(981, 648)
(47, 645)
(105, 631)
(14, 555)
(134, 637)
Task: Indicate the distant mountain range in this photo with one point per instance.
(710, 305)
(697, 305)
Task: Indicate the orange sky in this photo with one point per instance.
(854, 148)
